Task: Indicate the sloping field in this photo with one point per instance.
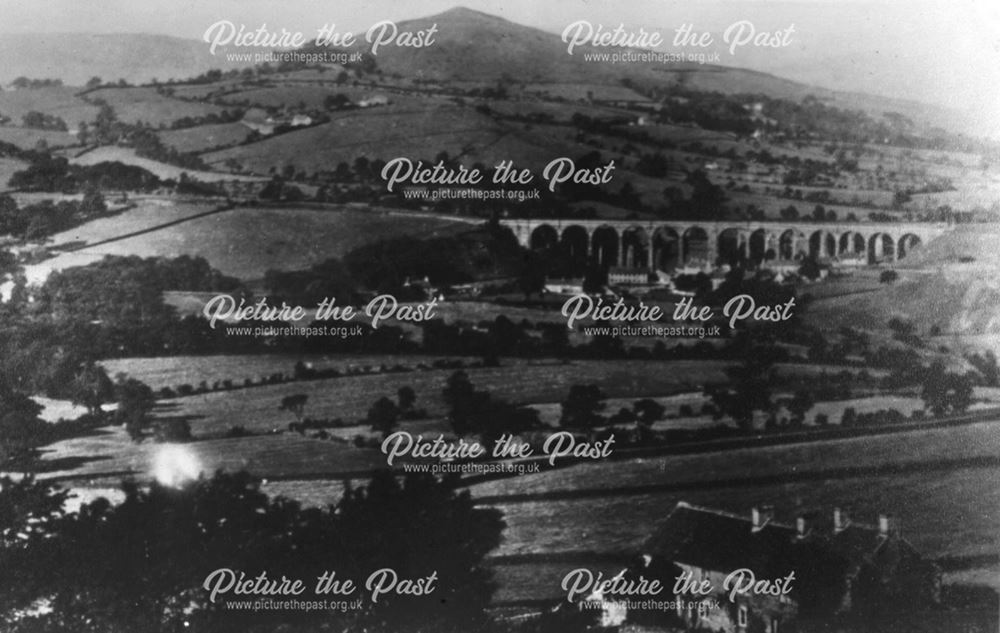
(950, 283)
(585, 91)
(170, 371)
(870, 452)
(288, 454)
(350, 397)
(57, 101)
(244, 242)
(387, 132)
(973, 243)
(958, 301)
(205, 137)
(163, 171)
(28, 138)
(296, 94)
(145, 104)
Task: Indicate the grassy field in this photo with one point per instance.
(795, 460)
(295, 94)
(519, 382)
(958, 301)
(417, 132)
(243, 242)
(29, 138)
(171, 371)
(289, 455)
(145, 104)
(583, 91)
(350, 398)
(58, 101)
(205, 137)
(163, 171)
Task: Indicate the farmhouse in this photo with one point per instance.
(373, 101)
(840, 570)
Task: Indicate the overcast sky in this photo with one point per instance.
(939, 52)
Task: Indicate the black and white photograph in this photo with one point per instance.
(504, 316)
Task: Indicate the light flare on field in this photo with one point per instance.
(174, 465)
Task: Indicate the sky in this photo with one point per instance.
(946, 53)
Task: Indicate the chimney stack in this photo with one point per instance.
(885, 524)
(840, 521)
(760, 517)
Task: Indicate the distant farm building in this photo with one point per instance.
(374, 101)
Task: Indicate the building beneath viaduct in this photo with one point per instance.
(656, 245)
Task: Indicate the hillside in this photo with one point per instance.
(243, 242)
(947, 288)
(472, 46)
(76, 57)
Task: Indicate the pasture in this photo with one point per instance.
(243, 242)
(349, 398)
(60, 101)
(145, 104)
(30, 138)
(205, 137)
(164, 171)
(171, 371)
(418, 132)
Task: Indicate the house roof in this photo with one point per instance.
(720, 541)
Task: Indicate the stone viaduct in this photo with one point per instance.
(667, 245)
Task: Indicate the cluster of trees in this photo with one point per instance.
(946, 392)
(654, 165)
(45, 218)
(471, 411)
(399, 265)
(386, 265)
(25, 82)
(140, 565)
(584, 403)
(107, 309)
(21, 428)
(212, 118)
(384, 415)
(84, 383)
(41, 121)
(55, 174)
